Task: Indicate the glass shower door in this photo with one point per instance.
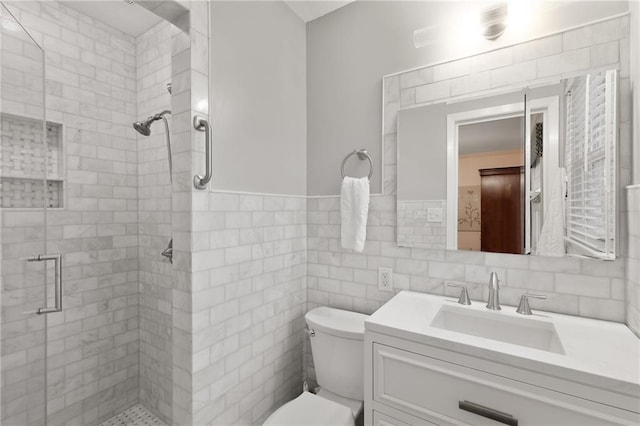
(26, 272)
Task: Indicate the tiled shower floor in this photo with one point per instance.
(134, 416)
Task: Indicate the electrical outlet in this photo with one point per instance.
(385, 279)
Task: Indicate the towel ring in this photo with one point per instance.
(362, 154)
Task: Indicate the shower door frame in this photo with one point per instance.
(34, 301)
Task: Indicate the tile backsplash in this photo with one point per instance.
(416, 229)
(348, 280)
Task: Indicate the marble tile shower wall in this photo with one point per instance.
(154, 231)
(633, 262)
(189, 78)
(93, 344)
(249, 301)
(590, 288)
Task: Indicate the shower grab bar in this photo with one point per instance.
(202, 125)
(58, 281)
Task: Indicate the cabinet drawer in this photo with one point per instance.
(433, 390)
(380, 419)
(387, 416)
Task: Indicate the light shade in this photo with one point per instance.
(493, 21)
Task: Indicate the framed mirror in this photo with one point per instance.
(526, 171)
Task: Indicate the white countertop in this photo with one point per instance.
(597, 353)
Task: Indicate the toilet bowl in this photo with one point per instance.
(338, 349)
(311, 410)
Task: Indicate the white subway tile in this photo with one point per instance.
(567, 62)
(583, 285)
(431, 92)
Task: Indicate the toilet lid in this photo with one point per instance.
(311, 410)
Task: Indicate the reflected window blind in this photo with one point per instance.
(591, 164)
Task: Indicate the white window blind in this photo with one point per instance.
(590, 155)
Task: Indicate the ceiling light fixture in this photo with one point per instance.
(493, 21)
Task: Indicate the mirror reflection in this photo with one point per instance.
(491, 186)
(527, 172)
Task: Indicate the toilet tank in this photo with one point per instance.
(338, 350)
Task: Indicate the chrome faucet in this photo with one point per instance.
(494, 293)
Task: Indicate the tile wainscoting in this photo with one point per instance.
(342, 278)
(249, 303)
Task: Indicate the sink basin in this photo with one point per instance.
(526, 332)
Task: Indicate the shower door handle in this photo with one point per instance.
(57, 258)
(202, 125)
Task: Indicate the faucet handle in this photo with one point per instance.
(493, 302)
(523, 307)
(464, 294)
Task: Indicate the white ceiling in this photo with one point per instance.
(134, 19)
(129, 18)
(491, 136)
(308, 10)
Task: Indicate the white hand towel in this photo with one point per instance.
(551, 239)
(354, 209)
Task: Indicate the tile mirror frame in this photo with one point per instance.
(535, 62)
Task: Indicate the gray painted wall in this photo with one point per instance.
(422, 153)
(258, 98)
(351, 49)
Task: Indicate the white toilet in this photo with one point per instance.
(338, 353)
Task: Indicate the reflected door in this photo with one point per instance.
(501, 207)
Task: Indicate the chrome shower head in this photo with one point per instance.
(144, 127)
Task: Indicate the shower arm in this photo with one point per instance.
(161, 114)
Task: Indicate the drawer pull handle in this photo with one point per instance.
(487, 412)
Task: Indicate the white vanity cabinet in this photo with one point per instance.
(411, 382)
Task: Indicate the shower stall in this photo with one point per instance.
(86, 214)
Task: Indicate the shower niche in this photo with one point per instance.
(25, 162)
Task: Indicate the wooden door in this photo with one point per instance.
(501, 208)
